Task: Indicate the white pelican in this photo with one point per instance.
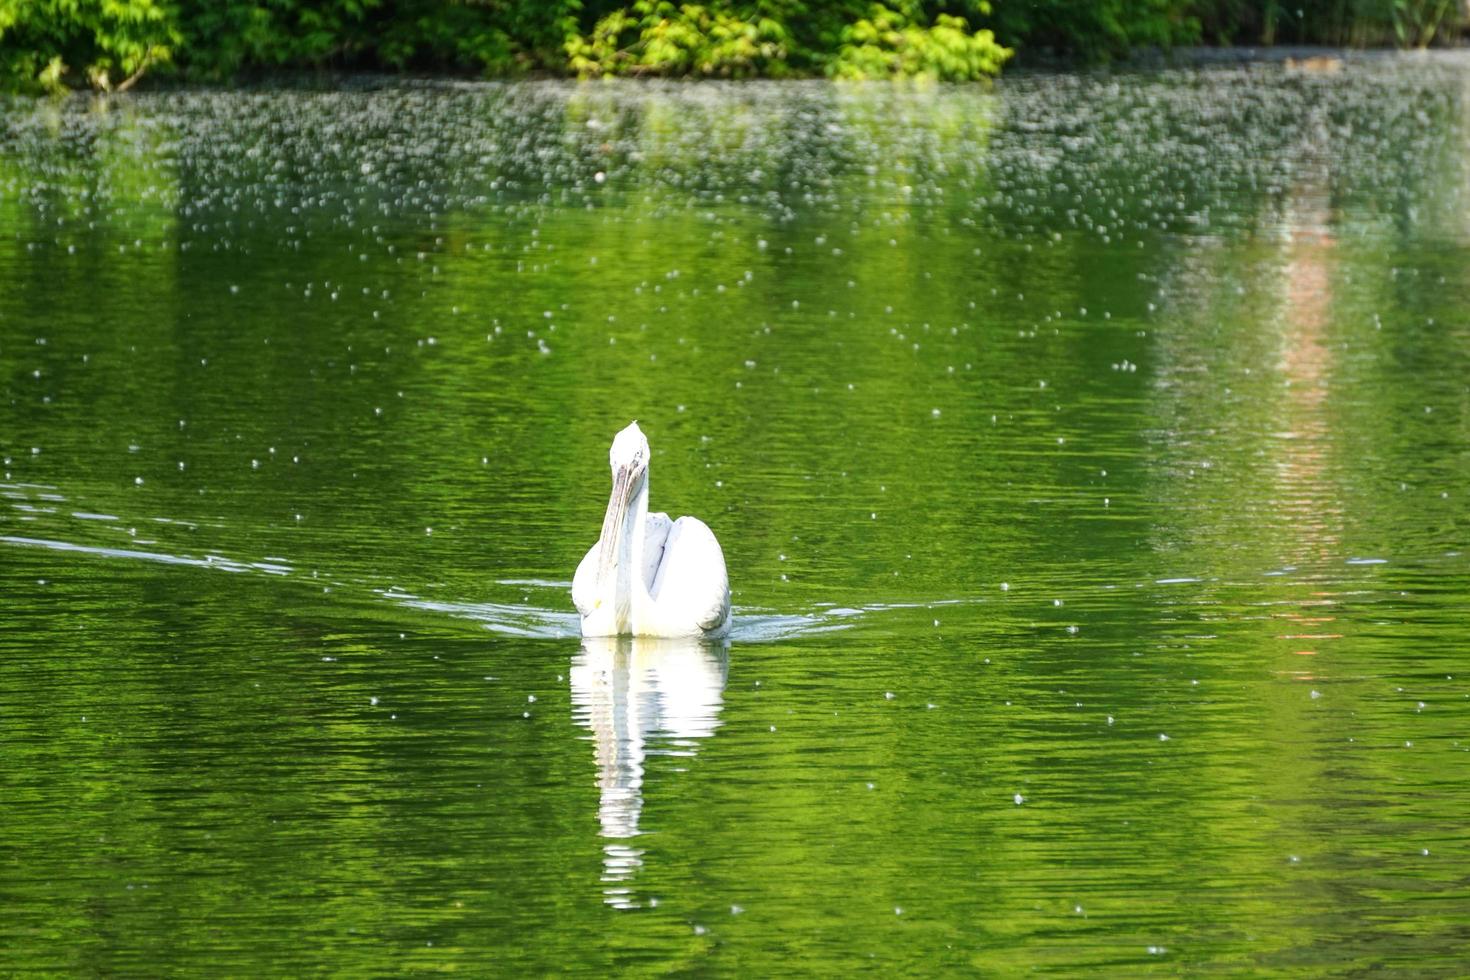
(646, 575)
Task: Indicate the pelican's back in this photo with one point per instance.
(691, 594)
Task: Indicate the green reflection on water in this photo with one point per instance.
(1089, 457)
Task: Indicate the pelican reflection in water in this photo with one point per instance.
(640, 697)
(647, 575)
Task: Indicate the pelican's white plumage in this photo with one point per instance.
(647, 575)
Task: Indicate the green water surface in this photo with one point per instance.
(1090, 455)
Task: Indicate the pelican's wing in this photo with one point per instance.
(691, 582)
(655, 534)
(584, 583)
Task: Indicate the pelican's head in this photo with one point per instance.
(629, 460)
(629, 449)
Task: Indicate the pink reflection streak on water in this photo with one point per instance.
(1307, 365)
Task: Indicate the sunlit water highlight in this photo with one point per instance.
(1089, 456)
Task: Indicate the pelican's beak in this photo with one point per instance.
(625, 481)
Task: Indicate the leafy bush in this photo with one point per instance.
(844, 40)
(886, 44)
(107, 43)
(657, 37)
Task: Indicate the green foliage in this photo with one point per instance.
(44, 44)
(110, 44)
(844, 40)
(107, 42)
(661, 38)
(224, 37)
(886, 44)
(1352, 23)
(1097, 31)
(240, 34)
(1417, 22)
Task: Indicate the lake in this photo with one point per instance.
(1090, 454)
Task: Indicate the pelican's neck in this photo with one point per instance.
(637, 531)
(630, 572)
